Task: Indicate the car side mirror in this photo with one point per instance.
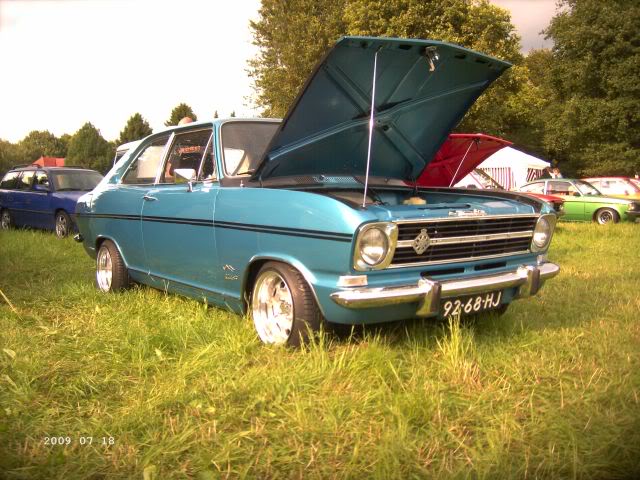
(186, 174)
(40, 188)
(576, 194)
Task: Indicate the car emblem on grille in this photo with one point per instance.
(421, 242)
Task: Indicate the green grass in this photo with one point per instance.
(550, 390)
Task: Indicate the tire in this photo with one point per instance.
(111, 273)
(63, 224)
(283, 307)
(6, 220)
(606, 215)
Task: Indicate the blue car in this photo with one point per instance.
(317, 217)
(44, 197)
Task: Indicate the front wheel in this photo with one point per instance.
(111, 273)
(63, 224)
(6, 221)
(283, 308)
(607, 215)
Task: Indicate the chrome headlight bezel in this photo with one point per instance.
(633, 207)
(390, 236)
(543, 232)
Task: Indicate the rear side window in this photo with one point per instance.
(9, 181)
(144, 167)
(533, 188)
(25, 180)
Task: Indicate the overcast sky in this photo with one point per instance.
(66, 62)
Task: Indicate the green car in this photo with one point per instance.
(583, 202)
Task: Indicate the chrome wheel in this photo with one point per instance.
(104, 269)
(272, 308)
(62, 225)
(5, 220)
(606, 216)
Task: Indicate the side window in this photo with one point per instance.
(187, 151)
(561, 188)
(26, 179)
(533, 188)
(145, 166)
(41, 179)
(9, 180)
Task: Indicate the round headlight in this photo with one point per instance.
(542, 233)
(373, 246)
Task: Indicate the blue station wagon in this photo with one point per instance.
(44, 197)
(318, 217)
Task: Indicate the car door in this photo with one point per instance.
(574, 206)
(23, 214)
(177, 216)
(117, 208)
(7, 189)
(43, 217)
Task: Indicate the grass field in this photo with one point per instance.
(167, 388)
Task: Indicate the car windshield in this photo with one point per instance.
(83, 180)
(243, 144)
(586, 188)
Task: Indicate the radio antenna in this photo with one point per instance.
(373, 102)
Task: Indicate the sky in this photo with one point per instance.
(67, 62)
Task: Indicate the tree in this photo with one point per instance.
(592, 118)
(39, 143)
(215, 114)
(136, 128)
(10, 155)
(178, 113)
(293, 35)
(233, 114)
(88, 149)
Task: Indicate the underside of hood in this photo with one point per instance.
(423, 89)
(457, 157)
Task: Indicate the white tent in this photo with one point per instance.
(511, 168)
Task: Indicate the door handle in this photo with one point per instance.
(149, 198)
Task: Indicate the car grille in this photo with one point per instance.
(453, 240)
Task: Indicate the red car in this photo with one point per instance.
(459, 156)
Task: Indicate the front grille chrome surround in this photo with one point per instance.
(463, 239)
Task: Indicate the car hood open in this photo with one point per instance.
(423, 89)
(457, 157)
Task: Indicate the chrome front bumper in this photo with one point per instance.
(428, 293)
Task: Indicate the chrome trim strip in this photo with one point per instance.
(470, 239)
(428, 293)
(463, 219)
(456, 260)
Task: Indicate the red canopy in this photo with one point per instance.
(448, 167)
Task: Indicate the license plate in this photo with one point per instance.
(471, 304)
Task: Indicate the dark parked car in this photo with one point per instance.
(44, 197)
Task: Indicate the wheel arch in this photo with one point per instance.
(101, 239)
(615, 207)
(256, 263)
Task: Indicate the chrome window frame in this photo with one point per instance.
(141, 149)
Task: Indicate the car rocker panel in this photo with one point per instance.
(259, 225)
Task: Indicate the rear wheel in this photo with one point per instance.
(6, 221)
(607, 215)
(111, 273)
(283, 308)
(63, 224)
